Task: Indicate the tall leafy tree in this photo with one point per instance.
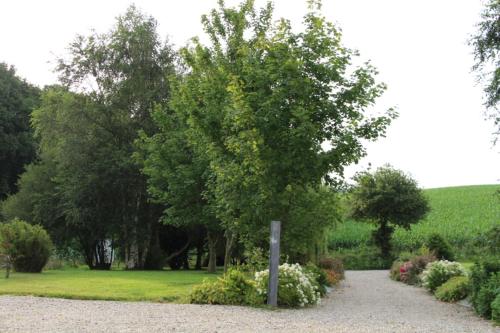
(17, 146)
(486, 43)
(177, 176)
(128, 70)
(389, 198)
(274, 110)
(88, 128)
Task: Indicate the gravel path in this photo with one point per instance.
(368, 301)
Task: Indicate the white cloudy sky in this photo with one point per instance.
(419, 47)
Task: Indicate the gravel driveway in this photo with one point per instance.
(368, 301)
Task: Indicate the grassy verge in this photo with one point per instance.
(156, 286)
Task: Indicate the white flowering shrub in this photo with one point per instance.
(296, 287)
(438, 272)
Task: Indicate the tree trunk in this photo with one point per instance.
(212, 252)
(8, 265)
(185, 264)
(132, 254)
(230, 238)
(383, 239)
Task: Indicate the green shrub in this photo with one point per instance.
(332, 264)
(234, 288)
(453, 290)
(405, 256)
(495, 310)
(417, 266)
(256, 260)
(409, 271)
(481, 273)
(489, 240)
(333, 277)
(29, 246)
(486, 295)
(320, 278)
(395, 272)
(363, 258)
(296, 287)
(438, 272)
(440, 247)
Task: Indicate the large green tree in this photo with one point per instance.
(274, 110)
(87, 131)
(486, 43)
(389, 198)
(123, 74)
(177, 177)
(17, 146)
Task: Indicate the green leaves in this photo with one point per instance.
(17, 146)
(261, 100)
(389, 198)
(486, 43)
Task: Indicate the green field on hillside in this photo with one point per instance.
(459, 214)
(82, 283)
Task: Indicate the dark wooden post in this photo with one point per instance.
(274, 261)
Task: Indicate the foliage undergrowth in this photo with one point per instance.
(453, 290)
(438, 272)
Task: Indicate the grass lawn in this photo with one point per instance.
(79, 283)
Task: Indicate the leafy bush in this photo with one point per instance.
(255, 260)
(489, 240)
(409, 271)
(395, 272)
(495, 310)
(480, 275)
(405, 256)
(486, 295)
(438, 272)
(363, 258)
(296, 287)
(453, 290)
(29, 246)
(333, 277)
(234, 288)
(319, 276)
(440, 247)
(333, 264)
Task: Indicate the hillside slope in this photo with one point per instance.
(457, 213)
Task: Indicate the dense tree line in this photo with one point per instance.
(150, 153)
(17, 147)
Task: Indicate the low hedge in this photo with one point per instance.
(234, 288)
(453, 290)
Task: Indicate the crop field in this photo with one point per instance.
(459, 214)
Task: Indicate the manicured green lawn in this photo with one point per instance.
(156, 286)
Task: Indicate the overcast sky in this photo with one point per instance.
(419, 47)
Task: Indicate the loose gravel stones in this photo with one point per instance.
(368, 301)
